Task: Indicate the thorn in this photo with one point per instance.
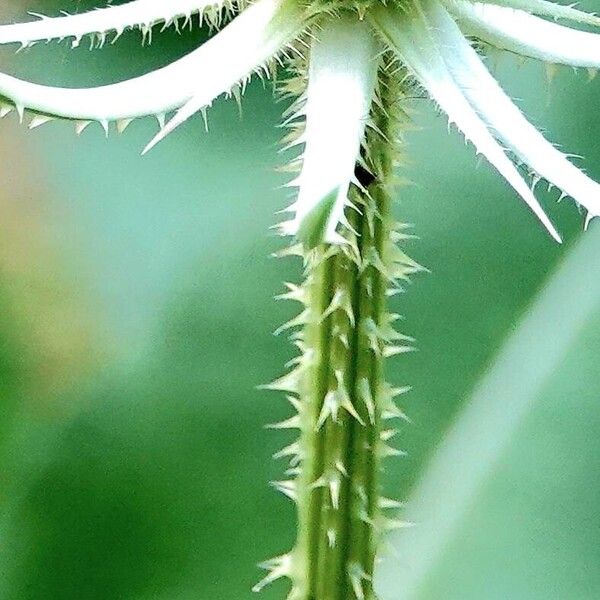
(332, 482)
(236, 92)
(292, 450)
(292, 250)
(330, 409)
(278, 567)
(390, 351)
(357, 576)
(287, 488)
(204, 113)
(588, 217)
(364, 390)
(297, 404)
(389, 503)
(339, 465)
(398, 391)
(331, 537)
(341, 299)
(80, 126)
(5, 109)
(123, 124)
(386, 451)
(391, 411)
(334, 492)
(295, 292)
(297, 321)
(387, 434)
(288, 383)
(291, 423)
(392, 524)
(39, 120)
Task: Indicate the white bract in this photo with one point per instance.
(345, 42)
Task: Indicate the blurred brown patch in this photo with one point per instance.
(45, 306)
(51, 316)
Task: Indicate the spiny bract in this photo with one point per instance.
(345, 40)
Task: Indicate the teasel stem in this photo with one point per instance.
(338, 386)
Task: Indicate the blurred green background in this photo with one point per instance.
(136, 311)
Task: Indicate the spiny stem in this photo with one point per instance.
(338, 486)
(338, 384)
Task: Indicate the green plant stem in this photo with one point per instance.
(338, 386)
(342, 391)
(338, 486)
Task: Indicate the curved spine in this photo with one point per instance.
(140, 13)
